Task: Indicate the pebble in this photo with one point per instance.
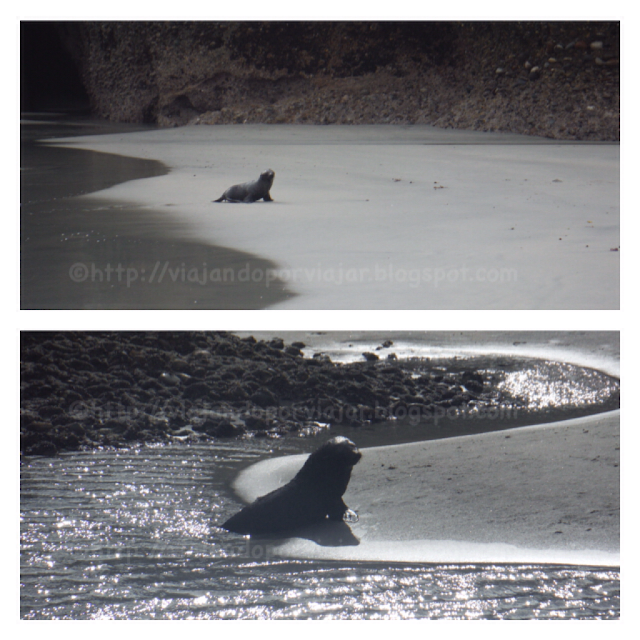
(169, 378)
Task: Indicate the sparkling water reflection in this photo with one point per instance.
(132, 534)
(544, 384)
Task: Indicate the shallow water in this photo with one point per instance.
(132, 535)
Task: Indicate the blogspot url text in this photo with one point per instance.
(164, 272)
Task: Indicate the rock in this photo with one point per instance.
(117, 426)
(209, 427)
(184, 432)
(256, 423)
(41, 448)
(196, 390)
(76, 428)
(473, 381)
(49, 412)
(226, 429)
(264, 398)
(169, 379)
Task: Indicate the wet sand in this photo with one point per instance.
(80, 251)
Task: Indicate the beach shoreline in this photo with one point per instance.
(81, 251)
(546, 493)
(392, 217)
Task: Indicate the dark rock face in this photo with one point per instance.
(313, 496)
(541, 78)
(84, 390)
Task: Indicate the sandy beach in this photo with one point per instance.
(595, 349)
(393, 217)
(546, 493)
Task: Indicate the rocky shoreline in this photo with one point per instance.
(85, 390)
(558, 79)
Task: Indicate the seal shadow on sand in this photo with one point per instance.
(325, 534)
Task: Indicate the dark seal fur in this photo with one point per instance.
(313, 496)
(250, 191)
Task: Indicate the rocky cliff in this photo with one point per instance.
(558, 79)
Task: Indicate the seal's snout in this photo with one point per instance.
(348, 449)
(345, 446)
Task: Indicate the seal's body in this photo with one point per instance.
(313, 496)
(250, 191)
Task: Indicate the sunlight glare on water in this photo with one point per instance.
(132, 535)
(546, 385)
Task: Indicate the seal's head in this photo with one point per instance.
(268, 176)
(331, 465)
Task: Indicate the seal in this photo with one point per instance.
(313, 496)
(250, 191)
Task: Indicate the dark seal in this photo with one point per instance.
(312, 497)
(250, 191)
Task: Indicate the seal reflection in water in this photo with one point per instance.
(312, 497)
(250, 191)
